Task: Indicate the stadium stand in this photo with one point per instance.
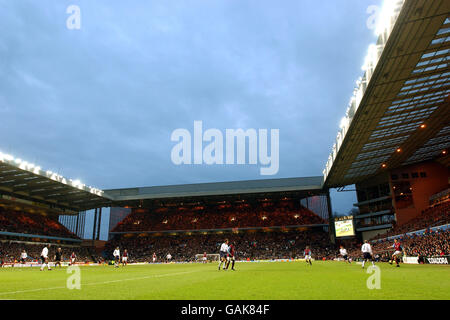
(433, 216)
(223, 216)
(253, 244)
(249, 245)
(416, 236)
(259, 245)
(429, 244)
(28, 223)
(10, 252)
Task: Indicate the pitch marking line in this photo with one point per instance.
(104, 282)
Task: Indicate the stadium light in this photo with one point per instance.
(6, 157)
(386, 19)
(371, 59)
(77, 184)
(344, 122)
(33, 168)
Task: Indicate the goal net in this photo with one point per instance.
(209, 257)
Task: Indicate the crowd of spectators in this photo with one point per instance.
(430, 244)
(255, 244)
(433, 216)
(427, 244)
(221, 216)
(249, 245)
(262, 245)
(10, 252)
(422, 244)
(32, 223)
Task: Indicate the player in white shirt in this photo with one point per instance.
(343, 253)
(223, 254)
(23, 257)
(44, 259)
(116, 255)
(169, 257)
(367, 253)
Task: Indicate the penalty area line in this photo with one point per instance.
(100, 283)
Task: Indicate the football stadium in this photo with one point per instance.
(264, 239)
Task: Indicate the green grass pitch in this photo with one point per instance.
(258, 281)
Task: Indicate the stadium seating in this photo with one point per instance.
(223, 216)
(23, 222)
(430, 244)
(249, 245)
(10, 252)
(433, 216)
(427, 244)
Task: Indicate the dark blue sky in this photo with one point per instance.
(99, 104)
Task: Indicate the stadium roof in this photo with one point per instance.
(305, 185)
(27, 181)
(399, 113)
(26, 184)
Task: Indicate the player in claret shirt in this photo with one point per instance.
(124, 258)
(307, 254)
(73, 257)
(231, 257)
(398, 252)
(154, 257)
